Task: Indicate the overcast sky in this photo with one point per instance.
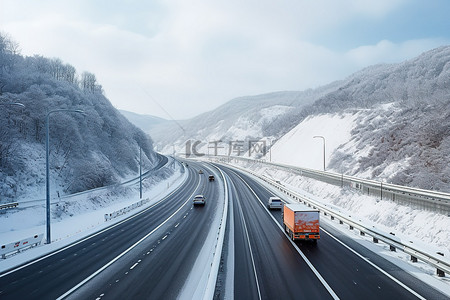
(178, 58)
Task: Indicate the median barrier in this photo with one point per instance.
(124, 210)
(15, 247)
(9, 205)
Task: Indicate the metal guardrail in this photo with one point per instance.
(441, 264)
(423, 199)
(125, 210)
(9, 205)
(54, 200)
(21, 245)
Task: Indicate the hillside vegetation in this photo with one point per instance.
(94, 149)
(407, 144)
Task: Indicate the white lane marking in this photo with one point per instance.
(229, 277)
(376, 267)
(133, 266)
(310, 265)
(127, 250)
(250, 247)
(91, 236)
(164, 237)
(177, 225)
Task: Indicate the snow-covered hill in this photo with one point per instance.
(144, 122)
(250, 117)
(94, 149)
(385, 122)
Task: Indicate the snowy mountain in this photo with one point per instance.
(97, 148)
(144, 122)
(394, 123)
(389, 123)
(244, 118)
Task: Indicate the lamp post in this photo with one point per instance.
(321, 137)
(47, 169)
(270, 151)
(140, 173)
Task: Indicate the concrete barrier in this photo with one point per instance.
(21, 245)
(9, 205)
(125, 210)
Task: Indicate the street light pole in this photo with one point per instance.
(140, 173)
(47, 169)
(319, 136)
(270, 151)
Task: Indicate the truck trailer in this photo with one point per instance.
(301, 222)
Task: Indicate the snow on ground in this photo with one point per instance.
(79, 218)
(426, 228)
(298, 147)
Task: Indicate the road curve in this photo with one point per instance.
(54, 275)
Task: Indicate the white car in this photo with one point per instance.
(274, 203)
(199, 200)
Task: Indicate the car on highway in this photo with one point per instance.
(199, 200)
(274, 203)
(200, 171)
(211, 177)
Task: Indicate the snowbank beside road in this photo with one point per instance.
(84, 218)
(432, 229)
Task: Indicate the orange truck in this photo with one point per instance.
(301, 222)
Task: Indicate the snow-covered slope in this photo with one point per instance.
(299, 147)
(144, 122)
(97, 148)
(385, 122)
(244, 118)
(389, 142)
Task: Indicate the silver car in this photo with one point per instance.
(199, 200)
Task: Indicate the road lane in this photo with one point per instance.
(350, 276)
(278, 272)
(160, 266)
(58, 273)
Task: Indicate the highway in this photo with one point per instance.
(150, 254)
(279, 272)
(266, 266)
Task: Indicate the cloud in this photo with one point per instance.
(388, 52)
(191, 56)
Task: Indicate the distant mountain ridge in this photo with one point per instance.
(144, 122)
(415, 129)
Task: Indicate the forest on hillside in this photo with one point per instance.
(97, 148)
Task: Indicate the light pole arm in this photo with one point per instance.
(323, 139)
(13, 103)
